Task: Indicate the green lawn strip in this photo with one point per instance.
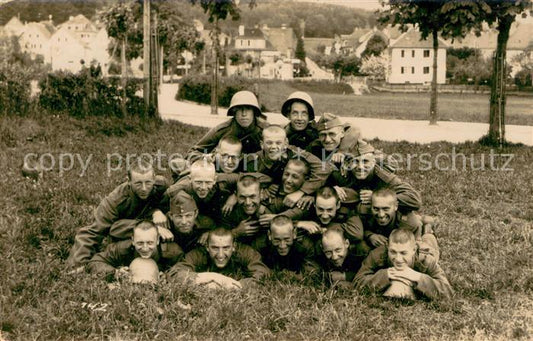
(485, 236)
(406, 106)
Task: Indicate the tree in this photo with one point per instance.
(218, 10)
(375, 46)
(432, 17)
(375, 66)
(467, 66)
(502, 13)
(300, 50)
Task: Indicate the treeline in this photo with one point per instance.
(39, 10)
(321, 20)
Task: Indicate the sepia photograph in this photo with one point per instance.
(266, 170)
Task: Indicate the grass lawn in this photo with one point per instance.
(452, 107)
(485, 237)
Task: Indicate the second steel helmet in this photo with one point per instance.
(244, 98)
(299, 96)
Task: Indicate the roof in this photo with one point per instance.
(282, 39)
(252, 33)
(38, 27)
(412, 39)
(353, 38)
(80, 19)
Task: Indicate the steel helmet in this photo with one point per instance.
(298, 96)
(244, 98)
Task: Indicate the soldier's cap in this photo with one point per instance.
(245, 98)
(181, 203)
(328, 121)
(361, 148)
(299, 96)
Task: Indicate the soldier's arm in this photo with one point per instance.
(171, 253)
(310, 265)
(194, 261)
(408, 198)
(89, 236)
(433, 282)
(252, 260)
(319, 173)
(115, 255)
(373, 275)
(207, 143)
(353, 228)
(351, 136)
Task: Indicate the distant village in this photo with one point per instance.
(78, 41)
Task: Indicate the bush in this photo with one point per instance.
(87, 93)
(15, 90)
(198, 88)
(322, 86)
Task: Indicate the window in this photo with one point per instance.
(412, 69)
(403, 53)
(413, 53)
(426, 53)
(248, 43)
(402, 70)
(426, 70)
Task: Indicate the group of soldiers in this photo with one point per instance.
(251, 198)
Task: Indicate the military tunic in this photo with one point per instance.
(245, 262)
(121, 204)
(373, 275)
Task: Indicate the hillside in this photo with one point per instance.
(321, 20)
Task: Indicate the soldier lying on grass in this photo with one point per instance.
(143, 244)
(137, 199)
(234, 261)
(400, 269)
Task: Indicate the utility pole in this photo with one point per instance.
(146, 56)
(214, 86)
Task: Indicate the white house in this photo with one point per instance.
(68, 52)
(35, 40)
(411, 60)
(14, 27)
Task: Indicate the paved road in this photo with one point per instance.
(386, 130)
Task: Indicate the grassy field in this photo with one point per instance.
(485, 237)
(452, 107)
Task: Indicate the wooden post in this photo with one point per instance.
(146, 56)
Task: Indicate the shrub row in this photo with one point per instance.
(198, 88)
(87, 93)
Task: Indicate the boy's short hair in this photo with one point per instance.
(144, 271)
(327, 192)
(281, 220)
(402, 236)
(230, 139)
(301, 162)
(144, 225)
(274, 128)
(335, 230)
(385, 192)
(219, 232)
(203, 163)
(247, 181)
(141, 166)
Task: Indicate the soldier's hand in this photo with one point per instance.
(165, 234)
(337, 276)
(310, 226)
(337, 157)
(246, 228)
(366, 196)
(378, 240)
(406, 275)
(291, 199)
(273, 189)
(203, 239)
(305, 202)
(265, 219)
(159, 219)
(230, 203)
(341, 193)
